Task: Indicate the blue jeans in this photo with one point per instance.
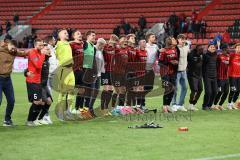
(6, 87)
(182, 80)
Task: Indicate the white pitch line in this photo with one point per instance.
(220, 157)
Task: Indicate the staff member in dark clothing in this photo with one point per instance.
(222, 75)
(8, 52)
(195, 76)
(209, 71)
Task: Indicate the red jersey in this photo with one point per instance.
(222, 66)
(165, 59)
(120, 61)
(77, 54)
(234, 65)
(35, 62)
(141, 59)
(131, 54)
(108, 54)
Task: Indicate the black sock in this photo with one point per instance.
(103, 99)
(44, 111)
(114, 99)
(108, 98)
(121, 100)
(34, 112)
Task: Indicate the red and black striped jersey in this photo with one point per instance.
(222, 66)
(234, 65)
(141, 59)
(165, 60)
(120, 61)
(108, 53)
(77, 54)
(131, 54)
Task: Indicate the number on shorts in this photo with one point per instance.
(34, 96)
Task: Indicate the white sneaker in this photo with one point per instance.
(37, 123)
(174, 108)
(182, 108)
(74, 111)
(30, 124)
(229, 106)
(191, 107)
(48, 119)
(43, 122)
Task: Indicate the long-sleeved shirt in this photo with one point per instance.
(152, 53)
(35, 63)
(195, 64)
(45, 71)
(222, 66)
(99, 62)
(182, 64)
(7, 60)
(209, 69)
(53, 62)
(234, 65)
(77, 53)
(64, 53)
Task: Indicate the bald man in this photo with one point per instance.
(65, 76)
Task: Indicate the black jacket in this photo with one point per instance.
(209, 68)
(195, 61)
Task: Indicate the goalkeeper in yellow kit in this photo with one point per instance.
(65, 77)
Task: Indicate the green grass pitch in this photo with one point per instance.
(215, 133)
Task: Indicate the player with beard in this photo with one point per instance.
(119, 65)
(106, 81)
(168, 70)
(34, 89)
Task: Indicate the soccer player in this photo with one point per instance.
(168, 70)
(90, 71)
(119, 65)
(77, 54)
(131, 75)
(65, 76)
(53, 63)
(141, 58)
(209, 76)
(46, 94)
(195, 76)
(8, 52)
(222, 76)
(34, 89)
(106, 80)
(183, 50)
(234, 77)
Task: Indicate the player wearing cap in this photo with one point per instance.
(106, 80)
(234, 77)
(222, 76)
(34, 89)
(209, 76)
(65, 76)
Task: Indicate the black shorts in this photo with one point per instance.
(135, 80)
(78, 77)
(223, 84)
(34, 91)
(118, 80)
(234, 84)
(149, 80)
(106, 78)
(46, 94)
